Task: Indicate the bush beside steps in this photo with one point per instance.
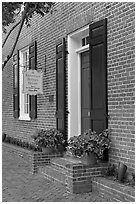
(20, 143)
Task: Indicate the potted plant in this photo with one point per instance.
(90, 146)
(59, 140)
(48, 140)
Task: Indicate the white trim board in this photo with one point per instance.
(75, 49)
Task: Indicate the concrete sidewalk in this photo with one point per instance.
(19, 185)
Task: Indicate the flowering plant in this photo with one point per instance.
(48, 138)
(89, 142)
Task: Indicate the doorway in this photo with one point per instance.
(87, 79)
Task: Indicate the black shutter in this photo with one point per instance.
(33, 65)
(60, 86)
(16, 85)
(98, 66)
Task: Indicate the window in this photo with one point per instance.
(24, 98)
(85, 41)
(24, 105)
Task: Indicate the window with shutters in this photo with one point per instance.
(24, 98)
(24, 105)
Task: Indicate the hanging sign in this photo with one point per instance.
(32, 82)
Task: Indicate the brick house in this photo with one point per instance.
(86, 51)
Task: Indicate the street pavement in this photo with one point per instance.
(19, 185)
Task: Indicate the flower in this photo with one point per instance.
(48, 138)
(89, 142)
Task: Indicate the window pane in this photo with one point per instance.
(24, 57)
(15, 76)
(83, 41)
(25, 98)
(87, 40)
(25, 108)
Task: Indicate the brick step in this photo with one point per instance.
(69, 171)
(117, 191)
(57, 169)
(53, 174)
(62, 163)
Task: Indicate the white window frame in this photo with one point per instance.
(23, 115)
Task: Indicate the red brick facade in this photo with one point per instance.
(67, 18)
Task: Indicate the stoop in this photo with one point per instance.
(76, 177)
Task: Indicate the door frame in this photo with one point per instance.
(74, 80)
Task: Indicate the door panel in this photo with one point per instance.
(85, 92)
(98, 125)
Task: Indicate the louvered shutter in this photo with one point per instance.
(60, 85)
(33, 65)
(98, 66)
(16, 85)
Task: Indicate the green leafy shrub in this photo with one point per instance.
(89, 142)
(48, 138)
(111, 171)
(21, 143)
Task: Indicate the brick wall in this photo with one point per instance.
(121, 83)
(118, 192)
(66, 18)
(79, 177)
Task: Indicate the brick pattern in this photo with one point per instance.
(25, 154)
(117, 191)
(121, 83)
(67, 17)
(34, 159)
(19, 185)
(79, 177)
(41, 159)
(76, 177)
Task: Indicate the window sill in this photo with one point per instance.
(24, 118)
